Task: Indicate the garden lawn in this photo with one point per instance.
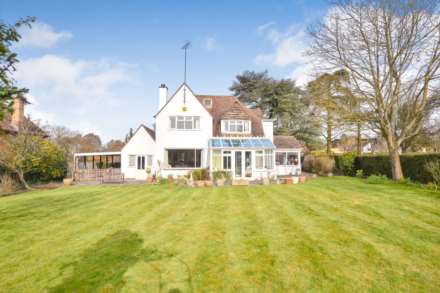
(331, 234)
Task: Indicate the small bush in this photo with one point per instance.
(323, 165)
(7, 185)
(308, 164)
(216, 175)
(433, 168)
(345, 164)
(359, 173)
(200, 174)
(377, 179)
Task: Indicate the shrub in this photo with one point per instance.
(433, 168)
(200, 174)
(308, 164)
(7, 184)
(323, 164)
(216, 175)
(413, 165)
(359, 173)
(377, 179)
(345, 164)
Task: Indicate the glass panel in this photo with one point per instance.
(216, 143)
(216, 160)
(226, 142)
(149, 160)
(246, 143)
(239, 126)
(180, 122)
(184, 158)
(248, 163)
(280, 158)
(173, 122)
(259, 159)
(266, 143)
(268, 159)
(227, 160)
(236, 142)
(131, 160)
(196, 122)
(238, 161)
(292, 158)
(188, 122)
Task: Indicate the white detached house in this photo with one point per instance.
(202, 131)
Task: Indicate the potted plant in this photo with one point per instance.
(220, 177)
(149, 177)
(199, 177)
(170, 180)
(302, 179)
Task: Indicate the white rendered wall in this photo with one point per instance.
(167, 138)
(140, 144)
(268, 129)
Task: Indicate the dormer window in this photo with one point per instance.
(207, 102)
(236, 126)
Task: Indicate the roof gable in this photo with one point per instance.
(228, 107)
(175, 93)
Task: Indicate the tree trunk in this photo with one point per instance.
(23, 181)
(329, 134)
(358, 139)
(396, 167)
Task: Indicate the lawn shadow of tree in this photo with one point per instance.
(102, 266)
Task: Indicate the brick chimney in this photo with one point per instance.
(17, 117)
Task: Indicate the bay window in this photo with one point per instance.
(184, 158)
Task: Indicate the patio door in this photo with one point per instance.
(238, 164)
(140, 166)
(243, 164)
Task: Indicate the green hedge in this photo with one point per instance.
(413, 165)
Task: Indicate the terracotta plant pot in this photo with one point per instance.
(288, 180)
(302, 179)
(149, 180)
(220, 182)
(67, 181)
(199, 183)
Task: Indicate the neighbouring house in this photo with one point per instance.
(15, 121)
(201, 131)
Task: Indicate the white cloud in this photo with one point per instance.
(211, 44)
(289, 48)
(84, 95)
(42, 35)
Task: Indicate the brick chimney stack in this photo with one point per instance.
(17, 117)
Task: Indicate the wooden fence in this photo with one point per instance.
(99, 175)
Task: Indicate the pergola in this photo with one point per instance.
(97, 160)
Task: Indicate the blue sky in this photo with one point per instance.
(96, 65)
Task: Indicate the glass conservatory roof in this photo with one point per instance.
(241, 143)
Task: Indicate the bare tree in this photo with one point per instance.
(20, 152)
(392, 51)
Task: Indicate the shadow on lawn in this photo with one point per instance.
(102, 266)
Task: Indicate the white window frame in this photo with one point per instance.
(259, 154)
(231, 126)
(269, 155)
(227, 154)
(186, 122)
(285, 163)
(132, 161)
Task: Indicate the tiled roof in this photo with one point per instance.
(286, 142)
(230, 107)
(150, 131)
(7, 127)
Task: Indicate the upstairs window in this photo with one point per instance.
(236, 126)
(184, 122)
(207, 102)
